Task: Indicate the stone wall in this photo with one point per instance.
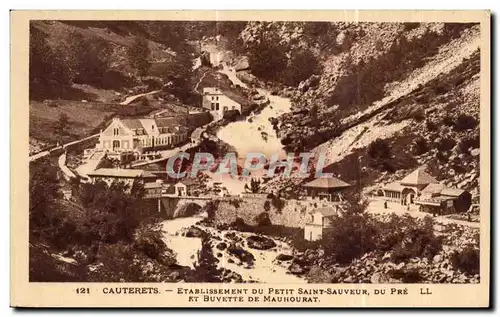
(293, 213)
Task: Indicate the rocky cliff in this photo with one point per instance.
(412, 87)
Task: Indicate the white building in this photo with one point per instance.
(319, 222)
(137, 135)
(219, 103)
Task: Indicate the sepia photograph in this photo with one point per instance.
(255, 151)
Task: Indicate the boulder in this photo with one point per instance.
(243, 255)
(242, 64)
(438, 258)
(221, 246)
(284, 257)
(194, 232)
(260, 242)
(174, 275)
(296, 269)
(379, 278)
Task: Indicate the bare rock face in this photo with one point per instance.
(242, 64)
(260, 243)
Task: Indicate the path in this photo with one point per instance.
(129, 99)
(90, 164)
(38, 155)
(199, 82)
(377, 207)
(68, 174)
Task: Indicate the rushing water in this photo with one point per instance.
(186, 248)
(264, 269)
(255, 134)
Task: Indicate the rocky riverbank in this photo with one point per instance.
(457, 262)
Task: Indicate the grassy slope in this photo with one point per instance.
(86, 117)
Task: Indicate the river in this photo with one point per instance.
(247, 136)
(265, 268)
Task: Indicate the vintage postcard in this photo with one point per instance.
(250, 159)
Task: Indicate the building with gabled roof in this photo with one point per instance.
(423, 191)
(219, 103)
(143, 134)
(418, 177)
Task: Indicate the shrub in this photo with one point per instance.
(379, 150)
(467, 143)
(351, 236)
(448, 121)
(445, 144)
(465, 122)
(303, 64)
(263, 219)
(420, 146)
(466, 260)
(418, 115)
(268, 60)
(145, 102)
(278, 203)
(267, 205)
(407, 237)
(431, 125)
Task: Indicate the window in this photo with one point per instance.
(212, 97)
(217, 106)
(116, 131)
(217, 98)
(116, 144)
(213, 106)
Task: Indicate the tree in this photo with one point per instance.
(303, 64)
(379, 150)
(268, 59)
(179, 72)
(138, 55)
(90, 59)
(49, 73)
(43, 191)
(61, 126)
(254, 186)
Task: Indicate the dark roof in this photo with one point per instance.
(434, 188)
(132, 123)
(166, 122)
(454, 192)
(327, 182)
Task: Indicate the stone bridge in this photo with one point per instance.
(168, 205)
